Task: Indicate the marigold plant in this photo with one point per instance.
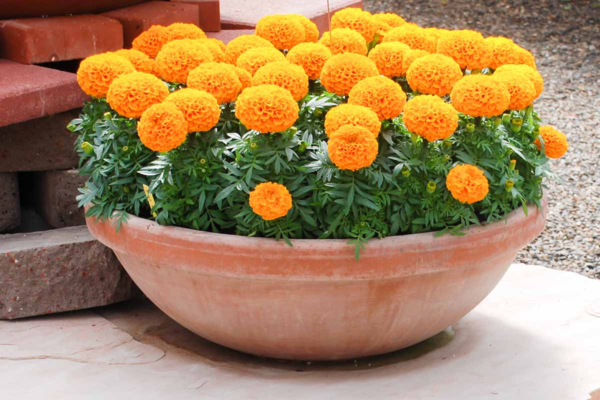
(200, 109)
(349, 114)
(380, 94)
(430, 117)
(341, 72)
(285, 75)
(270, 200)
(433, 131)
(132, 94)
(219, 79)
(433, 74)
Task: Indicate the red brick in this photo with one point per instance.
(10, 214)
(40, 144)
(37, 91)
(55, 193)
(137, 19)
(38, 8)
(56, 271)
(229, 34)
(38, 40)
(209, 13)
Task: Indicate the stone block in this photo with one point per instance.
(136, 19)
(209, 13)
(29, 92)
(10, 214)
(39, 8)
(58, 270)
(55, 197)
(40, 144)
(39, 40)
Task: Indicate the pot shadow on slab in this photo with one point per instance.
(148, 324)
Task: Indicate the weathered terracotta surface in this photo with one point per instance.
(313, 301)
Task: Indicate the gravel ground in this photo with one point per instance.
(565, 38)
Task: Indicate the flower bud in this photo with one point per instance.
(253, 145)
(202, 161)
(302, 147)
(405, 172)
(447, 158)
(470, 127)
(506, 119)
(497, 122)
(447, 144)
(107, 115)
(516, 124)
(87, 148)
(528, 112)
(125, 148)
(293, 129)
(318, 112)
(513, 163)
(431, 185)
(126, 189)
(509, 185)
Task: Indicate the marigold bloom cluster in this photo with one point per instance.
(350, 114)
(255, 58)
(162, 127)
(352, 147)
(415, 37)
(341, 72)
(241, 44)
(505, 51)
(357, 20)
(311, 32)
(270, 200)
(344, 40)
(433, 74)
(132, 94)
(151, 41)
(96, 73)
(244, 77)
(555, 142)
(390, 19)
(467, 48)
(140, 61)
(283, 31)
(179, 30)
(218, 79)
(285, 75)
(266, 108)
(382, 95)
(480, 96)
(430, 117)
(521, 89)
(200, 109)
(311, 57)
(389, 57)
(177, 58)
(382, 29)
(467, 183)
(533, 75)
(217, 53)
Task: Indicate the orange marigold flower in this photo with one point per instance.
(467, 48)
(357, 20)
(200, 109)
(179, 57)
(255, 58)
(382, 29)
(244, 77)
(505, 51)
(285, 75)
(415, 37)
(284, 31)
(219, 43)
(350, 114)
(241, 44)
(132, 94)
(533, 75)
(521, 89)
(393, 20)
(480, 96)
(270, 200)
(388, 57)
(467, 183)
(311, 57)
(151, 41)
(218, 79)
(380, 94)
(311, 32)
(555, 142)
(433, 74)
(162, 127)
(344, 40)
(180, 30)
(266, 108)
(218, 55)
(352, 147)
(342, 71)
(409, 57)
(96, 73)
(140, 61)
(430, 117)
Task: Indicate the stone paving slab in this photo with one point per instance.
(535, 337)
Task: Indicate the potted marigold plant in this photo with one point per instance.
(308, 198)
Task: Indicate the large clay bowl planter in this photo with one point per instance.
(313, 301)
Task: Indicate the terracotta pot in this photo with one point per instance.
(313, 301)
